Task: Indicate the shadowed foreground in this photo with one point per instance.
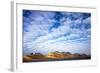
(54, 56)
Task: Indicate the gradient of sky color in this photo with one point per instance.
(48, 31)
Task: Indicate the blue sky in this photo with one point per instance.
(48, 31)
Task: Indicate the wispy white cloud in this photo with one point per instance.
(69, 34)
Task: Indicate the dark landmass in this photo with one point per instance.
(54, 56)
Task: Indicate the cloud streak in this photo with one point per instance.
(46, 31)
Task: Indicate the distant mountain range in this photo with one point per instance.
(51, 56)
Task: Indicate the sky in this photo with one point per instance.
(49, 31)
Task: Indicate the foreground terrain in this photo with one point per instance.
(54, 56)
